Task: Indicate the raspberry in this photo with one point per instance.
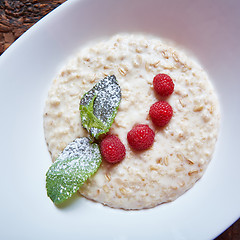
(161, 113)
(163, 85)
(112, 149)
(141, 137)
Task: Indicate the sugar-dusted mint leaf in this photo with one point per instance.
(99, 106)
(78, 161)
(89, 120)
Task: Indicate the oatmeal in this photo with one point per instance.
(181, 151)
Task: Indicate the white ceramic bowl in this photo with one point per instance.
(210, 29)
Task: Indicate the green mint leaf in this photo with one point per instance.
(78, 161)
(99, 106)
(88, 118)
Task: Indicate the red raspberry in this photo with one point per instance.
(141, 137)
(112, 149)
(161, 113)
(163, 85)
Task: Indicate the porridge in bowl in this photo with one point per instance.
(181, 150)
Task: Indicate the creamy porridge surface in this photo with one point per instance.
(181, 150)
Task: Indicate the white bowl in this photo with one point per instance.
(209, 29)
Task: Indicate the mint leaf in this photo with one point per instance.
(99, 106)
(78, 161)
(88, 118)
